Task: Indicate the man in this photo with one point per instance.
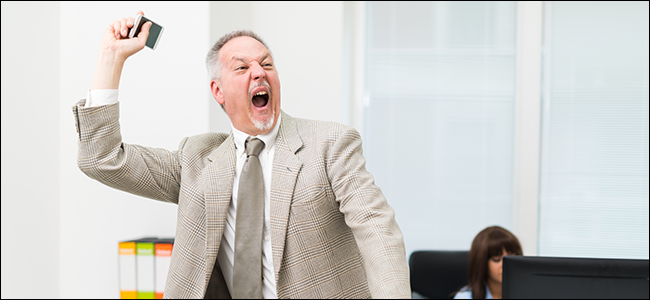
(280, 207)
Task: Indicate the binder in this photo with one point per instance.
(163, 258)
(145, 268)
(127, 270)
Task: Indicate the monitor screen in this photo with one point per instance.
(528, 277)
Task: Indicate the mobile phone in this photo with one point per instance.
(154, 32)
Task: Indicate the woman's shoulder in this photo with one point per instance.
(464, 293)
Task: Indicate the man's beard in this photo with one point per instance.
(265, 125)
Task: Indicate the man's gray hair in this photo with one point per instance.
(212, 61)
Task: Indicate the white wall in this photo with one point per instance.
(30, 150)
(60, 228)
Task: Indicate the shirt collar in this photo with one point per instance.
(268, 138)
(488, 295)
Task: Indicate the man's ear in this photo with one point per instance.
(217, 92)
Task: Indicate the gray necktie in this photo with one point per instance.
(247, 268)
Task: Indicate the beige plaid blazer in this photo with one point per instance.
(333, 233)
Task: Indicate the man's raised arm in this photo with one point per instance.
(144, 171)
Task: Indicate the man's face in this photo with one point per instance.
(249, 87)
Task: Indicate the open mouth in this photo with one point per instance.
(260, 99)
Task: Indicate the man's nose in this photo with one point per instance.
(257, 72)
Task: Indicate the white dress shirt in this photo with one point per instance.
(226, 255)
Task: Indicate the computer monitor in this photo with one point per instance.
(529, 277)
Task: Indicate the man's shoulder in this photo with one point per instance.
(204, 142)
(320, 129)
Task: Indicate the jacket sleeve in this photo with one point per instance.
(148, 172)
(371, 219)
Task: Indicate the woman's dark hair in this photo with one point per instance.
(488, 243)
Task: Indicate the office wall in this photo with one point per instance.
(60, 228)
(30, 150)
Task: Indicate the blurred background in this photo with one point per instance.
(528, 115)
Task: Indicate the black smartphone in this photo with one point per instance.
(154, 32)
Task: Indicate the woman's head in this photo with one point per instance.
(485, 257)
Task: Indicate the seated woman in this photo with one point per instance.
(485, 263)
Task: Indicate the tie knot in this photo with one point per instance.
(253, 146)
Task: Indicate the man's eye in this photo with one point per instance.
(240, 68)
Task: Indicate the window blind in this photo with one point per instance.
(594, 164)
(439, 116)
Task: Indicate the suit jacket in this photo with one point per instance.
(333, 233)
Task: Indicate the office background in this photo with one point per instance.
(534, 116)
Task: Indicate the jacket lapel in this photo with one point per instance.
(219, 178)
(286, 166)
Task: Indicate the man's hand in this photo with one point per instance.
(114, 49)
(116, 37)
